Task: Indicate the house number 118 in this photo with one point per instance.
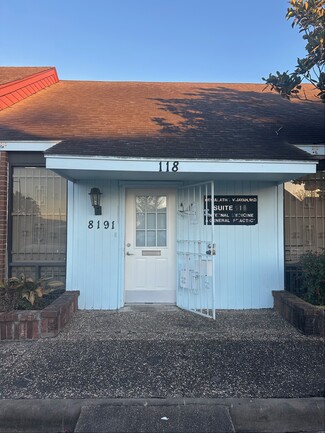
(167, 166)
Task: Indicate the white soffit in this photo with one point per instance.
(75, 168)
(26, 146)
(312, 149)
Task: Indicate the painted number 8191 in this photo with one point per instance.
(101, 224)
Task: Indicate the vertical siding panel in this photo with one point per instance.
(223, 263)
(256, 243)
(120, 197)
(248, 262)
(93, 253)
(70, 235)
(84, 261)
(239, 276)
(110, 250)
(268, 241)
(280, 216)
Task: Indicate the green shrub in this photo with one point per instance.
(313, 277)
(25, 293)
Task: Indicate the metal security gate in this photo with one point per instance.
(196, 249)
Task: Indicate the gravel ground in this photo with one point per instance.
(163, 352)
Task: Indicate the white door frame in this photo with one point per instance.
(161, 295)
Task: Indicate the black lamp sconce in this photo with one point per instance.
(95, 200)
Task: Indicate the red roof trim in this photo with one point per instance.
(15, 91)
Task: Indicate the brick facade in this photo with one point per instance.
(33, 324)
(307, 318)
(3, 213)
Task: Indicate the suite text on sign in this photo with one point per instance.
(231, 210)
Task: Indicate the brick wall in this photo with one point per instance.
(308, 318)
(33, 324)
(3, 213)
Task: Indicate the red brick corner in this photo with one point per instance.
(307, 318)
(34, 324)
(3, 212)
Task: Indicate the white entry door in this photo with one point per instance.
(150, 251)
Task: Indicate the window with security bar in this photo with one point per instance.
(304, 206)
(38, 223)
(304, 216)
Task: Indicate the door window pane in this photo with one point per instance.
(151, 203)
(140, 240)
(162, 204)
(151, 238)
(161, 238)
(140, 221)
(151, 221)
(161, 221)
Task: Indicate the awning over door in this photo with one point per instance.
(78, 168)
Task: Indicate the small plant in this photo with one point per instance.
(313, 277)
(8, 295)
(25, 292)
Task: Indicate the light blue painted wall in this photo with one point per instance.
(93, 254)
(249, 261)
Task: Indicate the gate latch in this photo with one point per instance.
(212, 250)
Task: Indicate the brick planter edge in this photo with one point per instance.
(35, 324)
(307, 318)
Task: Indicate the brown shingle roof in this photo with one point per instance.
(13, 73)
(179, 120)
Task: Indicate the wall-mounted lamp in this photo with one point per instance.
(95, 200)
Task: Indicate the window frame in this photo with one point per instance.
(26, 159)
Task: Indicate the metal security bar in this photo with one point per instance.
(196, 249)
(38, 223)
(304, 205)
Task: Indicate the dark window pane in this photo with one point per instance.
(38, 217)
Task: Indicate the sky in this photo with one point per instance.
(221, 41)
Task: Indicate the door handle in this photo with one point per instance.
(129, 254)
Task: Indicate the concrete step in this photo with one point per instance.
(159, 418)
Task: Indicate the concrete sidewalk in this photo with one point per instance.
(161, 354)
(162, 415)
